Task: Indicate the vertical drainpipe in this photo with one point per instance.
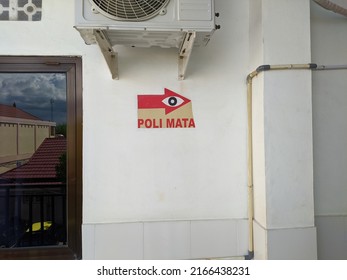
(250, 186)
(250, 167)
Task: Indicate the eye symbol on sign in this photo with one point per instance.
(170, 101)
(173, 101)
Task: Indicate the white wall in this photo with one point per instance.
(181, 193)
(329, 43)
(169, 174)
(185, 175)
(141, 186)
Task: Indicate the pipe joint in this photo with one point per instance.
(250, 256)
(262, 68)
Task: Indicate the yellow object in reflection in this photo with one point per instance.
(37, 226)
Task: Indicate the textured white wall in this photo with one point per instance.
(177, 174)
(329, 43)
(136, 175)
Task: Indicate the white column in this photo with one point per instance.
(282, 131)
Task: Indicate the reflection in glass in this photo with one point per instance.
(32, 159)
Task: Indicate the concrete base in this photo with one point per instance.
(285, 244)
(166, 240)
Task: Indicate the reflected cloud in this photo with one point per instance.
(36, 93)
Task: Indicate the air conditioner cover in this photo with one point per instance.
(165, 28)
(130, 10)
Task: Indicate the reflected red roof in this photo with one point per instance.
(43, 162)
(14, 112)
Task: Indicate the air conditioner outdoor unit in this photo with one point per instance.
(181, 24)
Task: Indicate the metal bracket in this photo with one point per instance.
(184, 54)
(110, 55)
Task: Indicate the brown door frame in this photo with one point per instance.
(72, 67)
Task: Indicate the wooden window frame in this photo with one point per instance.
(72, 67)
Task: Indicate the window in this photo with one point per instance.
(40, 215)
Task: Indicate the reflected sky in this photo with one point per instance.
(40, 94)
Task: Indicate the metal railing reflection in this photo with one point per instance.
(32, 215)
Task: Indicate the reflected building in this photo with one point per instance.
(21, 135)
(32, 195)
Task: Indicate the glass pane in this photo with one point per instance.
(32, 159)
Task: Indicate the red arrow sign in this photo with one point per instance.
(170, 101)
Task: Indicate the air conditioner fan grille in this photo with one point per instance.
(129, 10)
